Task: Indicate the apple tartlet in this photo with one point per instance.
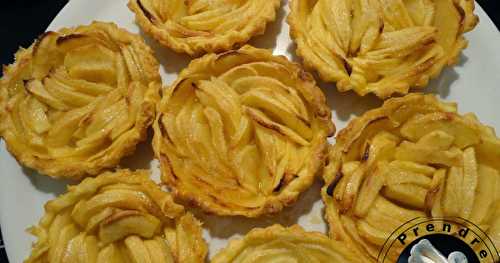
(242, 132)
(196, 27)
(413, 157)
(118, 216)
(78, 100)
(380, 46)
(280, 244)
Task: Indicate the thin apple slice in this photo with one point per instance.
(126, 223)
(434, 197)
(464, 131)
(45, 55)
(66, 93)
(80, 85)
(272, 106)
(408, 194)
(93, 63)
(448, 23)
(40, 92)
(72, 41)
(158, 250)
(237, 73)
(414, 167)
(38, 116)
(488, 183)
(452, 199)
(136, 250)
(381, 148)
(408, 151)
(110, 254)
(187, 237)
(370, 188)
(61, 132)
(402, 42)
(266, 123)
(488, 152)
(59, 246)
(124, 199)
(403, 176)
(470, 181)
(374, 235)
(438, 140)
(82, 248)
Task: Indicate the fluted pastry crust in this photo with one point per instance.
(280, 244)
(413, 157)
(78, 100)
(380, 46)
(117, 217)
(200, 26)
(242, 132)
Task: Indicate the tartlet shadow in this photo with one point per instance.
(269, 39)
(45, 183)
(226, 226)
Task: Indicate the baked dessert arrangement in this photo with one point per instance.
(382, 47)
(413, 157)
(119, 216)
(78, 100)
(279, 244)
(242, 132)
(201, 26)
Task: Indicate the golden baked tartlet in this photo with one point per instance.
(117, 217)
(413, 157)
(200, 26)
(78, 100)
(380, 46)
(242, 132)
(280, 244)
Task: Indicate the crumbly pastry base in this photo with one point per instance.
(117, 216)
(195, 42)
(285, 244)
(413, 157)
(145, 83)
(381, 54)
(247, 189)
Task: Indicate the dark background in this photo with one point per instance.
(23, 20)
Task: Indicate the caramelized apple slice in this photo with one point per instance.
(464, 132)
(126, 223)
(45, 55)
(92, 62)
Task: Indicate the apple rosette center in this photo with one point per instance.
(242, 132)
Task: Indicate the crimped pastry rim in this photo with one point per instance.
(236, 245)
(78, 169)
(215, 44)
(287, 196)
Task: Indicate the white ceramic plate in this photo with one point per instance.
(474, 83)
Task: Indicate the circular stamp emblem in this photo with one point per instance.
(439, 240)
